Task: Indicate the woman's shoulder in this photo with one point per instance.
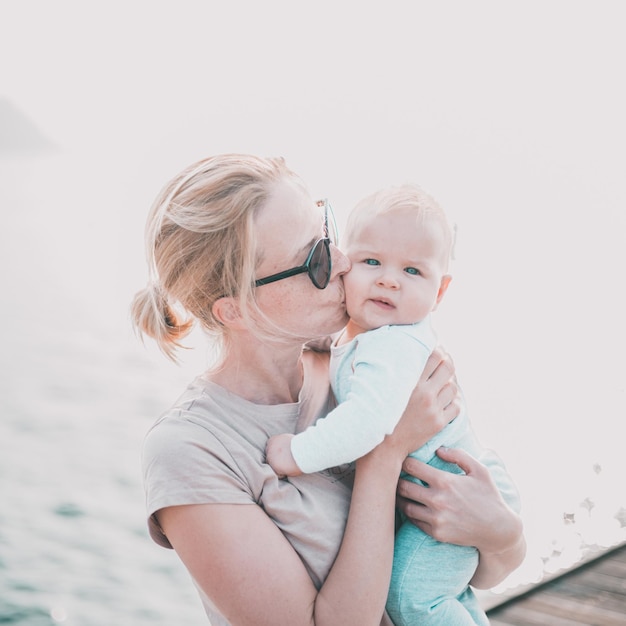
(204, 450)
(215, 430)
(184, 441)
(206, 417)
(181, 421)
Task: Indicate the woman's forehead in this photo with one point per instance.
(289, 202)
(288, 222)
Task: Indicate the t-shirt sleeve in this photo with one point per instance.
(184, 463)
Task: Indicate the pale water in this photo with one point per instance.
(73, 541)
(78, 392)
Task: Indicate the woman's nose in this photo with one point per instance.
(340, 262)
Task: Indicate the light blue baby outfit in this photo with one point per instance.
(373, 377)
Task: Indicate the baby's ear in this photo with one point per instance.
(226, 311)
(443, 287)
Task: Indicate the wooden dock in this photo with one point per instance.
(593, 594)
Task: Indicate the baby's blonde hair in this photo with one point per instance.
(400, 198)
(201, 245)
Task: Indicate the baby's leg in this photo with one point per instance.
(429, 582)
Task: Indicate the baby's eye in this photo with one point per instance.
(412, 270)
(371, 262)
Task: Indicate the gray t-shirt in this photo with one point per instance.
(210, 448)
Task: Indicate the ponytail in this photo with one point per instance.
(153, 315)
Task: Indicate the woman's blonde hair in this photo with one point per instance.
(201, 246)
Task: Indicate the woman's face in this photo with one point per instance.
(287, 228)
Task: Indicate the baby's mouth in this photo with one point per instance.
(383, 303)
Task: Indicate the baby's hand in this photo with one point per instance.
(278, 454)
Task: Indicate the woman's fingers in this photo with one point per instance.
(450, 507)
(439, 367)
(439, 373)
(461, 458)
(449, 395)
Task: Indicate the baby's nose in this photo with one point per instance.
(388, 280)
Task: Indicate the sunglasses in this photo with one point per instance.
(318, 264)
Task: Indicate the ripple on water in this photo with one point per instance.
(24, 616)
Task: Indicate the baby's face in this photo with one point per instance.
(397, 274)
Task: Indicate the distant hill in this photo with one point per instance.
(18, 134)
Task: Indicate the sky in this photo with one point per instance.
(509, 113)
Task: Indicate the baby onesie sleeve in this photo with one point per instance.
(386, 367)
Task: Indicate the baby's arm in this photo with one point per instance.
(383, 380)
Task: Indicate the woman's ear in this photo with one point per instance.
(226, 311)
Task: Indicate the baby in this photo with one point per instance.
(398, 241)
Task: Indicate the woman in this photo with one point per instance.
(236, 242)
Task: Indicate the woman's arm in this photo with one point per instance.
(242, 561)
(466, 510)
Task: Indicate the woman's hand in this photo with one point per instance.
(466, 510)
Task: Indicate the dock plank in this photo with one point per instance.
(594, 594)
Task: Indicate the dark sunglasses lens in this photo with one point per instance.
(319, 267)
